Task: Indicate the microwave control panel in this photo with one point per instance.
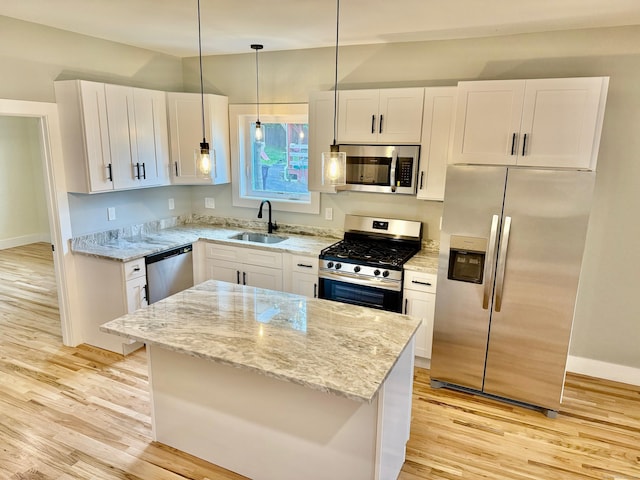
(405, 171)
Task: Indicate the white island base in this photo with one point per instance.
(270, 429)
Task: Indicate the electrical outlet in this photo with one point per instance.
(111, 213)
(172, 204)
(328, 213)
(209, 202)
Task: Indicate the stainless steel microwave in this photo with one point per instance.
(382, 168)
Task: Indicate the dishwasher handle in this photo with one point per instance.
(157, 257)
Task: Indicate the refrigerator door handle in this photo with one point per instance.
(490, 262)
(502, 262)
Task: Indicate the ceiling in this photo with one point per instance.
(230, 26)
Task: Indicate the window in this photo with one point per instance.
(277, 167)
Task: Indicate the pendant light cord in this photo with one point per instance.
(257, 76)
(335, 87)
(204, 137)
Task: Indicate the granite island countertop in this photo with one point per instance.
(333, 347)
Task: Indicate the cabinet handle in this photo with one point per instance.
(144, 295)
(238, 277)
(421, 283)
(373, 124)
(315, 290)
(305, 265)
(109, 169)
(137, 174)
(513, 144)
(406, 301)
(381, 118)
(176, 165)
(421, 179)
(524, 144)
(136, 269)
(144, 172)
(244, 278)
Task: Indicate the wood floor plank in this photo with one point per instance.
(84, 413)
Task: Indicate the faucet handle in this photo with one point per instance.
(274, 227)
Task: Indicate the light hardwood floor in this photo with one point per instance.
(69, 413)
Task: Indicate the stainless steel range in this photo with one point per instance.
(365, 268)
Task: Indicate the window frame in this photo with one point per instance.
(240, 118)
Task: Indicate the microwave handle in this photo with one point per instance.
(394, 165)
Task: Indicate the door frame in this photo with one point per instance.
(57, 203)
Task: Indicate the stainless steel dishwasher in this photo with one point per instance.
(169, 272)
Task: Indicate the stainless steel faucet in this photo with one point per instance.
(271, 227)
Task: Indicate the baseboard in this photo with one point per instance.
(24, 240)
(608, 371)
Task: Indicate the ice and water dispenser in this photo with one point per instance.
(466, 258)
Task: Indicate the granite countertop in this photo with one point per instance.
(134, 247)
(426, 260)
(333, 347)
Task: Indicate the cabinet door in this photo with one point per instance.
(400, 115)
(358, 119)
(262, 277)
(222, 270)
(96, 133)
(151, 137)
(320, 137)
(218, 113)
(304, 284)
(439, 103)
(487, 122)
(421, 305)
(560, 117)
(122, 136)
(185, 132)
(136, 294)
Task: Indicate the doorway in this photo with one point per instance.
(47, 132)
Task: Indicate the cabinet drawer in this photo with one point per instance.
(134, 269)
(304, 264)
(262, 258)
(420, 281)
(221, 252)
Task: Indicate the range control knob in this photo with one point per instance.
(330, 265)
(338, 266)
(385, 273)
(356, 269)
(376, 272)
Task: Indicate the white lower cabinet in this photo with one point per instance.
(301, 274)
(244, 266)
(419, 301)
(108, 289)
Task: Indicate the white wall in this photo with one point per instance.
(23, 211)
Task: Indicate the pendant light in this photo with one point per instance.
(203, 159)
(334, 163)
(258, 135)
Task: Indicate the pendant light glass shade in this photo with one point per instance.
(258, 132)
(203, 157)
(334, 167)
(334, 162)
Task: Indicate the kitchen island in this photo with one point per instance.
(278, 386)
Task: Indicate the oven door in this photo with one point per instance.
(362, 295)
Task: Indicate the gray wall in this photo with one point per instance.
(23, 208)
(607, 326)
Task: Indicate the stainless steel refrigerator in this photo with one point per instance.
(511, 249)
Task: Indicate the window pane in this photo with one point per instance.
(279, 163)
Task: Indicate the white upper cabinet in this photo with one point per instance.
(539, 123)
(114, 137)
(320, 137)
(185, 132)
(387, 116)
(437, 125)
(85, 136)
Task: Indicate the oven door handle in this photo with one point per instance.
(394, 165)
(377, 282)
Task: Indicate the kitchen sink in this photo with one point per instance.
(257, 237)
